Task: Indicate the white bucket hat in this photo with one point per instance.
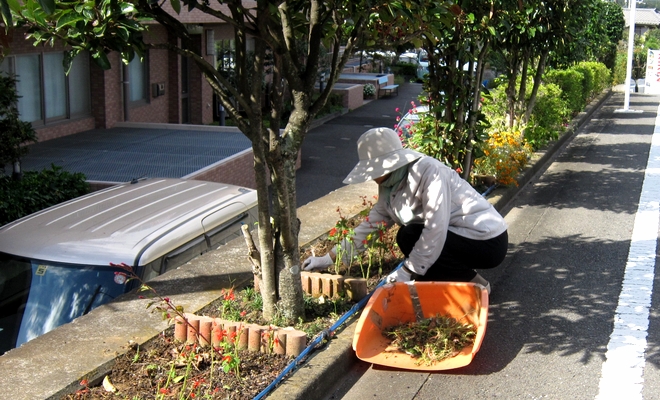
(381, 152)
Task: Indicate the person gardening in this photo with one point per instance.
(446, 228)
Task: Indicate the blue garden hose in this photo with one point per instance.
(325, 334)
(490, 189)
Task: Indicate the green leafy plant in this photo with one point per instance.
(227, 345)
(14, 133)
(341, 235)
(549, 117)
(431, 135)
(38, 190)
(376, 246)
(230, 309)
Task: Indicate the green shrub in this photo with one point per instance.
(494, 104)
(406, 69)
(334, 104)
(570, 83)
(596, 78)
(602, 77)
(587, 81)
(620, 68)
(38, 190)
(548, 118)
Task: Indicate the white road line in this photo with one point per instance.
(622, 376)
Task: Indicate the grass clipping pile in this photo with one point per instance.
(431, 340)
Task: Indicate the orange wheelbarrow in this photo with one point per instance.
(403, 302)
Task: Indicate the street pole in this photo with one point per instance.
(631, 45)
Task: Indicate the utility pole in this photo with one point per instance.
(631, 45)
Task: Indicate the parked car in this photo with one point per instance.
(55, 264)
(422, 64)
(408, 57)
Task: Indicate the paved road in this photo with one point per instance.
(329, 152)
(582, 256)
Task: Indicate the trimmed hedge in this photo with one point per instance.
(548, 117)
(38, 190)
(570, 83)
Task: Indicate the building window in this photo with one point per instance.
(138, 79)
(46, 93)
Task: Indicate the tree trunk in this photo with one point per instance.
(474, 111)
(514, 64)
(537, 83)
(522, 93)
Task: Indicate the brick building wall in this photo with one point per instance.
(110, 108)
(236, 170)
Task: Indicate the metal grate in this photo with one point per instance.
(121, 154)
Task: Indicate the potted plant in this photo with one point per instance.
(369, 90)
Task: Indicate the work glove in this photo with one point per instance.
(401, 274)
(317, 263)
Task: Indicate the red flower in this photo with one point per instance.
(84, 382)
(333, 232)
(164, 390)
(243, 313)
(227, 358)
(229, 295)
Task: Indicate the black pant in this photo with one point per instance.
(460, 256)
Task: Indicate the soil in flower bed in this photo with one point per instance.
(156, 370)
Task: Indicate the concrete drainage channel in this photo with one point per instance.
(53, 364)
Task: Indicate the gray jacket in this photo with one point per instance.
(436, 196)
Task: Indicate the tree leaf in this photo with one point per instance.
(47, 5)
(6, 13)
(101, 60)
(68, 59)
(127, 8)
(176, 6)
(123, 34)
(70, 18)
